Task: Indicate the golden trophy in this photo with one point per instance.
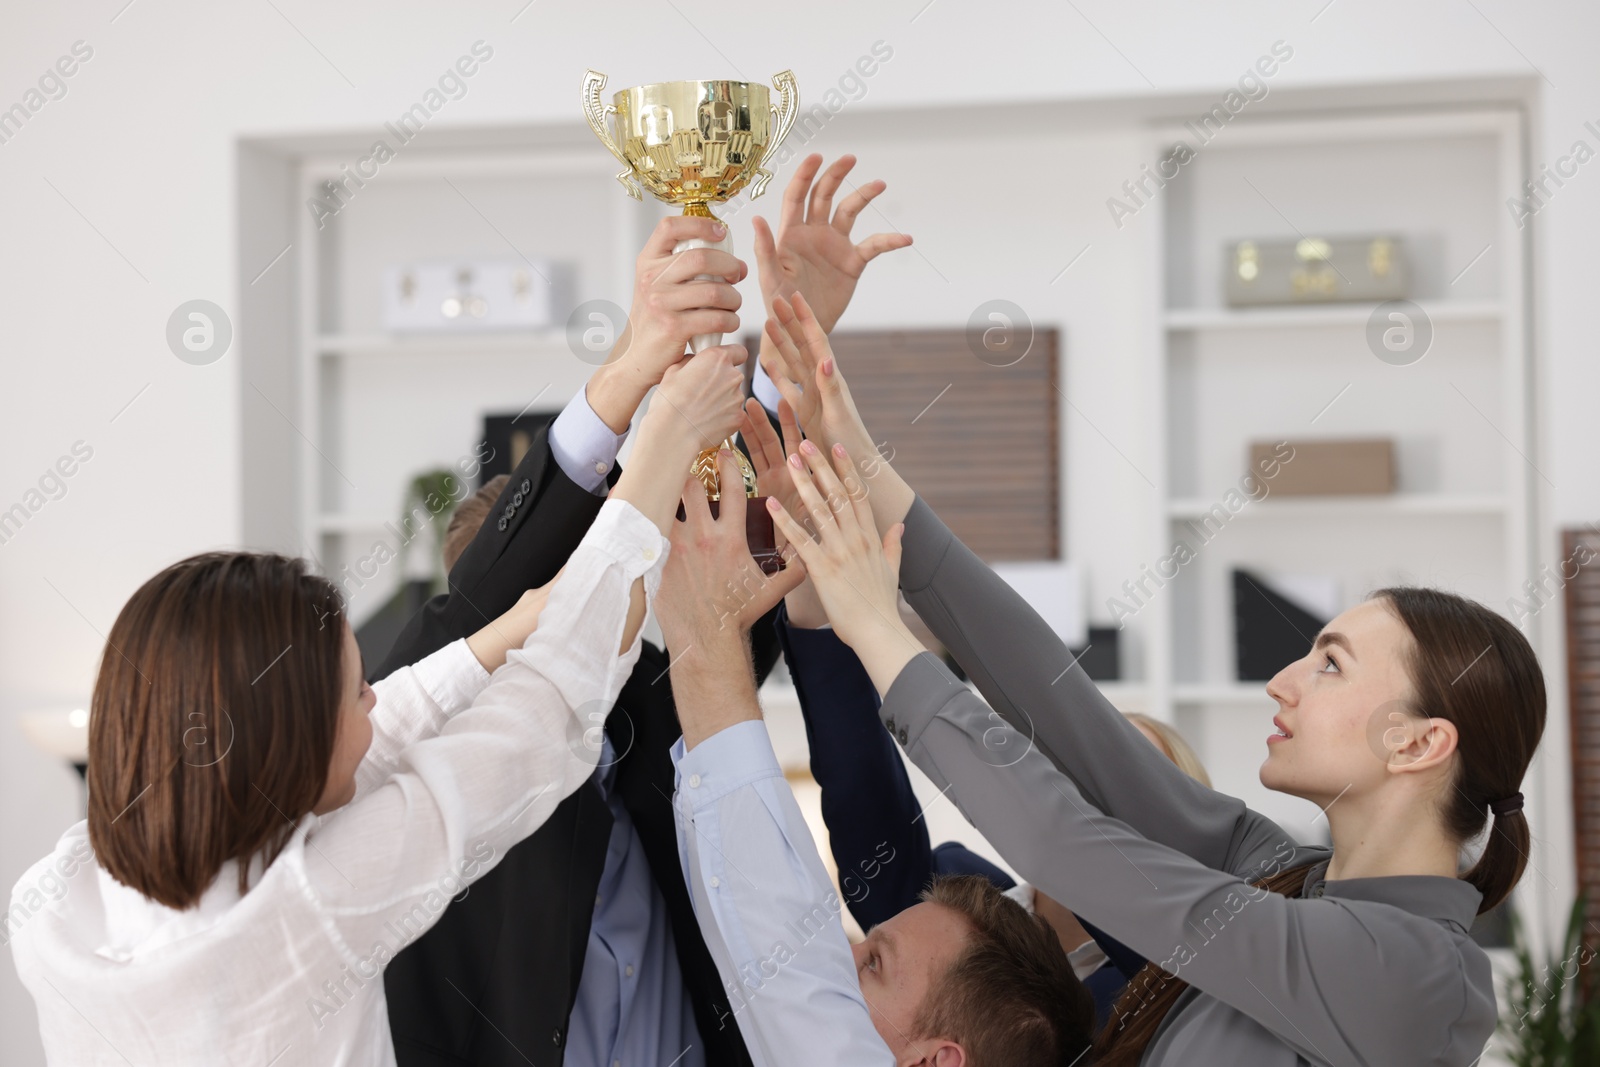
(697, 143)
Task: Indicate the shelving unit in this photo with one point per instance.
(367, 427)
(1464, 515)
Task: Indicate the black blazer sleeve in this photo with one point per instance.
(534, 527)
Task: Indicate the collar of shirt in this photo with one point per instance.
(1451, 900)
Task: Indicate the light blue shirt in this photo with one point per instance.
(632, 1009)
(764, 389)
(767, 909)
(583, 445)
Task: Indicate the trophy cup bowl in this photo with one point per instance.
(697, 143)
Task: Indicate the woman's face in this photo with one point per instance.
(356, 699)
(1339, 706)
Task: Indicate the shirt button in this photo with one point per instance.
(649, 554)
(694, 781)
(714, 882)
(601, 468)
(628, 970)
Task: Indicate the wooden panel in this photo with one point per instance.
(1582, 595)
(979, 442)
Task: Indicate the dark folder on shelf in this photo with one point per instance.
(1270, 630)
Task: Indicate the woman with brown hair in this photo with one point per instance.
(1410, 722)
(266, 831)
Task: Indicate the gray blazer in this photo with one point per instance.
(1370, 971)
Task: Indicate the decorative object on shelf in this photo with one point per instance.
(1273, 623)
(1311, 270)
(697, 143)
(464, 296)
(1331, 467)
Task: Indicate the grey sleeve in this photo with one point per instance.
(1027, 676)
(1339, 984)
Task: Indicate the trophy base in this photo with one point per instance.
(759, 533)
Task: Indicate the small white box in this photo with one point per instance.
(1055, 590)
(468, 295)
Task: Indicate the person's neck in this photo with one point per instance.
(1380, 837)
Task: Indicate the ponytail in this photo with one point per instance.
(1504, 858)
(1471, 666)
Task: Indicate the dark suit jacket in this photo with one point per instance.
(493, 983)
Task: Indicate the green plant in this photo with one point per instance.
(430, 500)
(1549, 1022)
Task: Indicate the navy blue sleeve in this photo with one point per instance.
(875, 826)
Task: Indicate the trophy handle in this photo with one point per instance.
(596, 112)
(783, 116)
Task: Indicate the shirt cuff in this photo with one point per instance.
(452, 676)
(723, 763)
(765, 391)
(916, 696)
(584, 446)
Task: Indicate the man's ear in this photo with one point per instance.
(939, 1052)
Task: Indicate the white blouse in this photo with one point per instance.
(462, 766)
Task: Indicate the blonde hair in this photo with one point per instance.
(1173, 746)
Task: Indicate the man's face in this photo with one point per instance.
(898, 963)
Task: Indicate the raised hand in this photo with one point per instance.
(767, 452)
(797, 351)
(711, 589)
(855, 571)
(706, 392)
(700, 402)
(669, 307)
(814, 254)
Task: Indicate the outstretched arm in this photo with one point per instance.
(1019, 664)
(753, 871)
(879, 843)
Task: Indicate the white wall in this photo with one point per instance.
(116, 205)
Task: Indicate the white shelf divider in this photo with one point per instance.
(1445, 505)
(1325, 315)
